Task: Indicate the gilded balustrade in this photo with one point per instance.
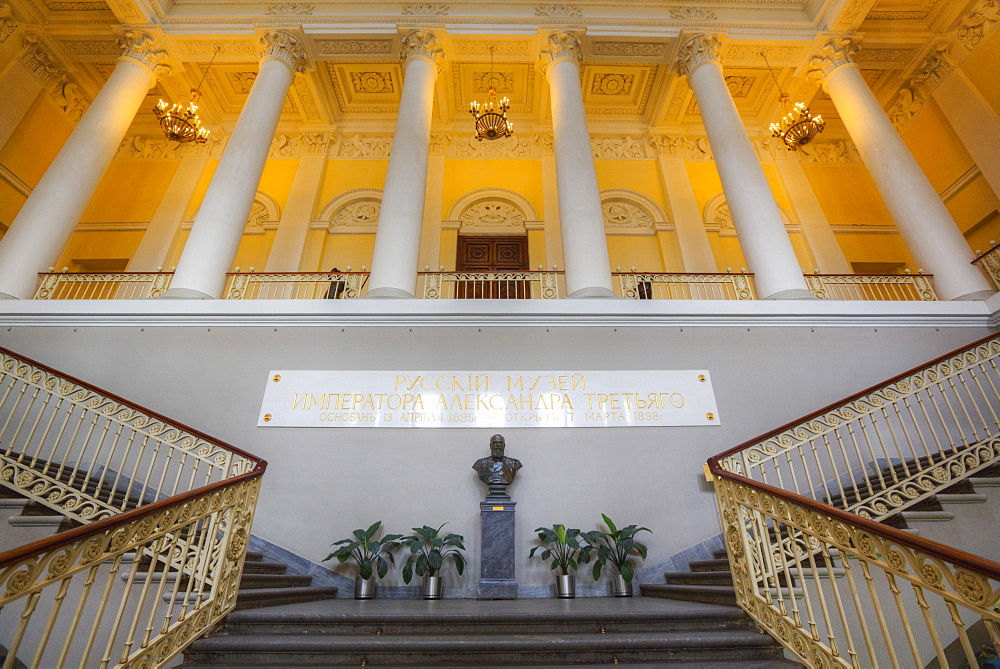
(540, 285)
(649, 286)
(101, 286)
(799, 505)
(166, 510)
(989, 263)
(295, 285)
(888, 287)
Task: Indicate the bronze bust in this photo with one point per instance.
(498, 469)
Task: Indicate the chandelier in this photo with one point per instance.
(798, 127)
(491, 116)
(180, 123)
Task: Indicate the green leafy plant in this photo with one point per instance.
(370, 553)
(429, 550)
(615, 546)
(566, 548)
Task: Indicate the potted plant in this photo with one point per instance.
(370, 554)
(615, 546)
(567, 550)
(428, 553)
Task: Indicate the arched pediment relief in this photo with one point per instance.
(719, 219)
(627, 212)
(264, 215)
(354, 212)
(492, 211)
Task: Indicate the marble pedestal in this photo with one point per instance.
(496, 571)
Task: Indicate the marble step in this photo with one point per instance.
(718, 564)
(961, 498)
(709, 594)
(728, 646)
(258, 597)
(927, 516)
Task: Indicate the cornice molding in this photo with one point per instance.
(15, 181)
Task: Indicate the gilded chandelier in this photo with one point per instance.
(491, 116)
(798, 127)
(180, 123)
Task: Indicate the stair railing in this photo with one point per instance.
(167, 513)
(799, 504)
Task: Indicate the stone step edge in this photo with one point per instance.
(476, 642)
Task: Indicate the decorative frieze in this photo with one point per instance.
(482, 47)
(559, 10)
(307, 143)
(7, 23)
(628, 49)
(242, 82)
(918, 88)
(836, 152)
(440, 142)
(751, 52)
(135, 147)
(361, 214)
(834, 53)
(619, 216)
(495, 216)
(425, 9)
(39, 60)
(558, 46)
(688, 148)
(91, 48)
(697, 50)
(354, 47)
(625, 148)
(883, 56)
(359, 146)
(508, 147)
(224, 47)
(978, 23)
(289, 9)
(545, 143)
(286, 48)
(422, 44)
(692, 13)
(141, 47)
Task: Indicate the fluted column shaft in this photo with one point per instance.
(585, 245)
(218, 228)
(397, 242)
(923, 221)
(758, 223)
(45, 223)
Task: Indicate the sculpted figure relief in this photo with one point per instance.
(497, 469)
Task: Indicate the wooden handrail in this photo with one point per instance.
(952, 555)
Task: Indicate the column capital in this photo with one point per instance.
(141, 48)
(422, 44)
(285, 47)
(697, 50)
(833, 54)
(8, 24)
(559, 46)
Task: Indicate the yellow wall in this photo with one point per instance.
(35, 141)
(130, 191)
(936, 146)
(628, 251)
(975, 210)
(981, 68)
(464, 175)
(344, 175)
(114, 248)
(642, 176)
(342, 251)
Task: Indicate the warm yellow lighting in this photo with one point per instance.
(181, 123)
(798, 127)
(491, 116)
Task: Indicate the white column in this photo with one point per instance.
(585, 246)
(815, 226)
(155, 245)
(290, 239)
(922, 219)
(218, 227)
(975, 122)
(550, 204)
(696, 252)
(397, 242)
(430, 236)
(758, 223)
(45, 223)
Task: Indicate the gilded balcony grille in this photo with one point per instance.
(799, 508)
(97, 286)
(295, 285)
(166, 515)
(539, 285)
(886, 287)
(989, 263)
(671, 286)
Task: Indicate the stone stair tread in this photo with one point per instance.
(258, 581)
(30, 520)
(984, 481)
(465, 642)
(254, 556)
(261, 567)
(699, 577)
(258, 597)
(927, 516)
(718, 564)
(961, 498)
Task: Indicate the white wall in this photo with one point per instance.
(323, 483)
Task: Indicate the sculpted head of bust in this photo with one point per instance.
(496, 446)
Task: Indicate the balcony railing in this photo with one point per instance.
(98, 286)
(886, 287)
(538, 285)
(295, 285)
(636, 286)
(542, 285)
(989, 262)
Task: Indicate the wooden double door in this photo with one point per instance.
(488, 255)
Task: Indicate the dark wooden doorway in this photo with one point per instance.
(492, 254)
